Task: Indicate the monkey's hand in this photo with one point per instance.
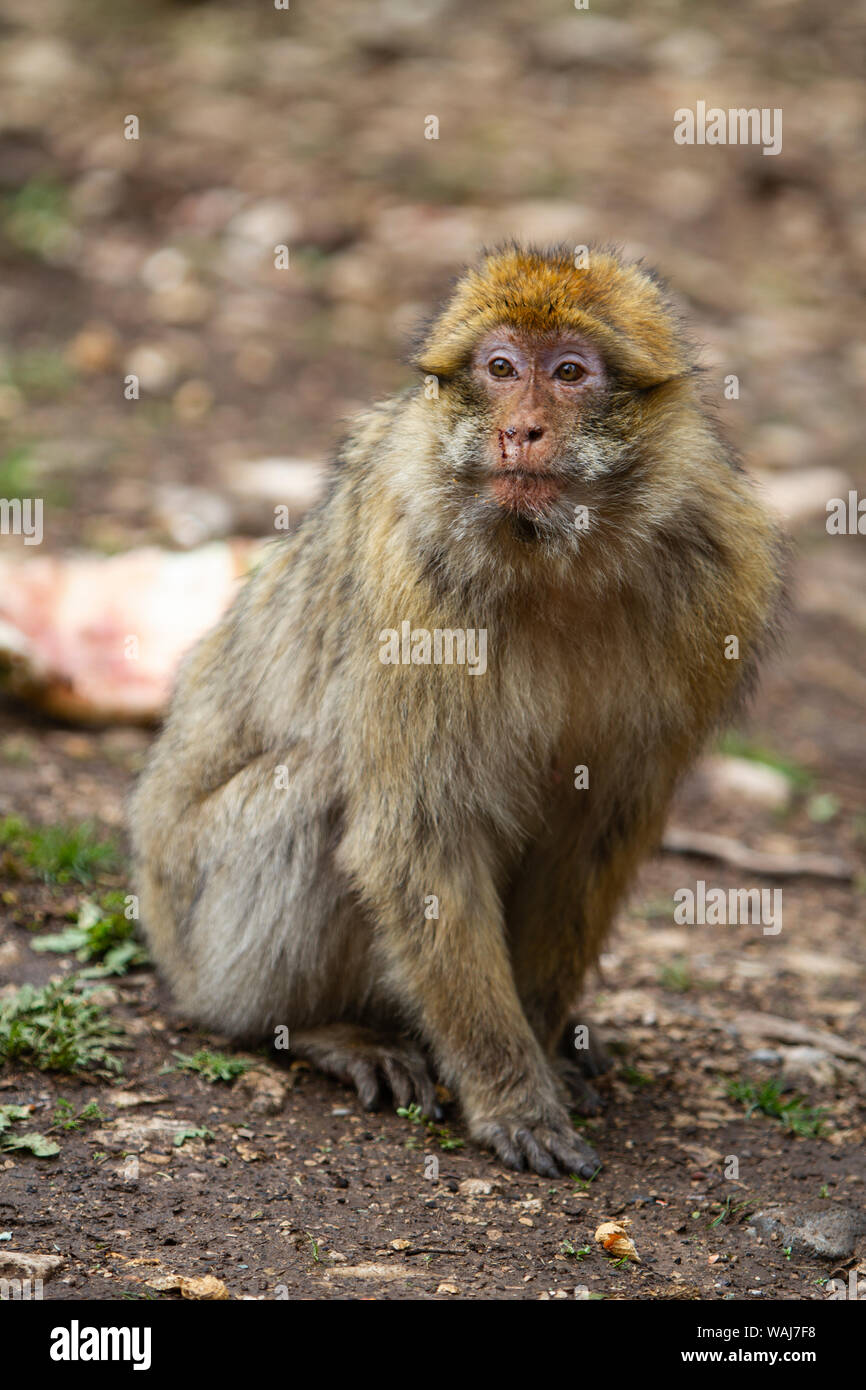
(591, 1057)
(574, 1066)
(544, 1142)
(371, 1062)
(581, 1095)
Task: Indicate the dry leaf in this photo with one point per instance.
(370, 1271)
(613, 1236)
(203, 1286)
(248, 1153)
(125, 1100)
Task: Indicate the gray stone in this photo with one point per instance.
(135, 1134)
(265, 1091)
(828, 1231)
(742, 781)
(591, 41)
(26, 1264)
(811, 1064)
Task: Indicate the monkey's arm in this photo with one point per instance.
(560, 907)
(453, 976)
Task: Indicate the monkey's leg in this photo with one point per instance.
(370, 1060)
(559, 909)
(453, 977)
(242, 905)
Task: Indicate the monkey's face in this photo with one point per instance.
(531, 439)
(536, 391)
(548, 409)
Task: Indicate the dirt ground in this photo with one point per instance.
(306, 127)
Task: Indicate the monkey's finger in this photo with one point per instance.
(574, 1156)
(538, 1157)
(588, 1102)
(425, 1091)
(401, 1085)
(500, 1141)
(365, 1081)
(563, 1153)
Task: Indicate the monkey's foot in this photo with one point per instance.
(548, 1146)
(583, 1047)
(581, 1094)
(371, 1062)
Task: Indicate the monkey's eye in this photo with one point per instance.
(500, 367)
(570, 371)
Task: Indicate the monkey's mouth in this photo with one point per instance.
(526, 491)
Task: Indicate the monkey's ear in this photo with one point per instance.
(620, 306)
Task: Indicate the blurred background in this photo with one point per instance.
(154, 258)
(307, 127)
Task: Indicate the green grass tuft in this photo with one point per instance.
(103, 933)
(35, 218)
(789, 1108)
(57, 1028)
(58, 853)
(736, 746)
(211, 1066)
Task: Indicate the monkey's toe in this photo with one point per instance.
(550, 1148)
(376, 1065)
(581, 1094)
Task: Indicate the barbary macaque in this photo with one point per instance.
(351, 829)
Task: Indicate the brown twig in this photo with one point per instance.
(721, 847)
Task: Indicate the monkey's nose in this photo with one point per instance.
(524, 446)
(524, 434)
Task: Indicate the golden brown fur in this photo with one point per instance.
(304, 904)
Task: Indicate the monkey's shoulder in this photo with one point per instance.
(369, 429)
